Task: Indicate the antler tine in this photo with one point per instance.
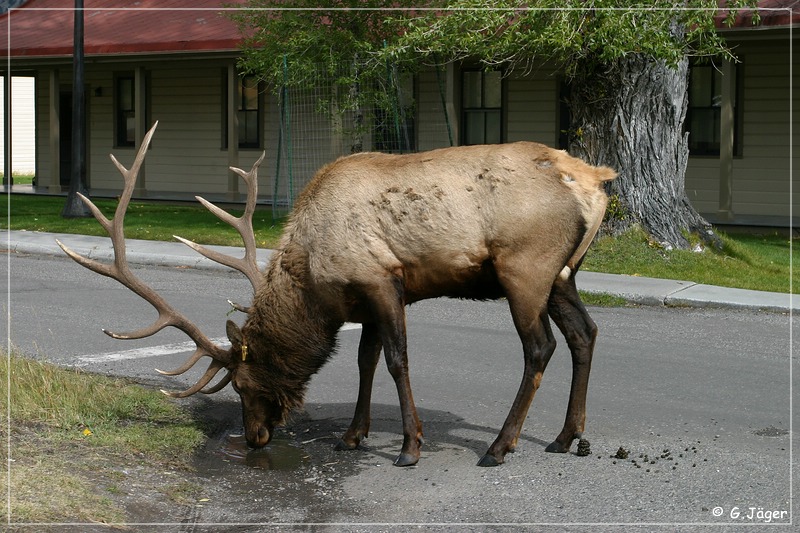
(189, 363)
(120, 271)
(211, 371)
(219, 386)
(247, 265)
(239, 307)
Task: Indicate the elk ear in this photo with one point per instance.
(234, 334)
(237, 339)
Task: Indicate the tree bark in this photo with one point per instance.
(629, 115)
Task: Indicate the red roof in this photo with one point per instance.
(773, 13)
(44, 28)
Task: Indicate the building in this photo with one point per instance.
(23, 126)
(175, 61)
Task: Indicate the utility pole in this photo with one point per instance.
(74, 207)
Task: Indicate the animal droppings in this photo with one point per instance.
(584, 448)
(622, 453)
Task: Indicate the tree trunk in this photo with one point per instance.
(629, 116)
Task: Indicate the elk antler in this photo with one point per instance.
(247, 265)
(167, 315)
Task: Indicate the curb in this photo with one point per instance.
(633, 289)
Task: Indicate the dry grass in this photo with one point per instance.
(73, 435)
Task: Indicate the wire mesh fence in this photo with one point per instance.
(345, 110)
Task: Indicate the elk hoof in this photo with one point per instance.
(490, 460)
(406, 459)
(344, 446)
(556, 447)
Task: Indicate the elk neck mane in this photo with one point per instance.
(288, 334)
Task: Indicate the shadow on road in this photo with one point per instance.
(310, 434)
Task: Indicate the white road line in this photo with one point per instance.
(143, 353)
(161, 350)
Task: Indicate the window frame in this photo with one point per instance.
(713, 92)
(258, 112)
(121, 130)
(483, 109)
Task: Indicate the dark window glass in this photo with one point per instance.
(703, 116)
(482, 107)
(125, 111)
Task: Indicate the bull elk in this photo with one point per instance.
(372, 233)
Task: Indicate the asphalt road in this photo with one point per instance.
(704, 394)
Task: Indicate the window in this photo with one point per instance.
(482, 107)
(125, 110)
(249, 112)
(703, 116)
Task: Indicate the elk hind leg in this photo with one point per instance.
(568, 312)
(369, 351)
(538, 344)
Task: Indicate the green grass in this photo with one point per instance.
(144, 220)
(602, 299)
(21, 179)
(758, 262)
(74, 433)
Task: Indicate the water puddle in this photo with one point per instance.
(280, 454)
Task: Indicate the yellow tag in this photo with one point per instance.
(244, 352)
(87, 432)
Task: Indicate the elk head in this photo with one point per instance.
(262, 410)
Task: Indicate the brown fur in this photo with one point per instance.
(374, 232)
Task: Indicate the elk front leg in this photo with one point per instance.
(569, 314)
(388, 307)
(369, 350)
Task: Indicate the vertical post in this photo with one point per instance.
(288, 118)
(74, 207)
(233, 129)
(447, 93)
(279, 150)
(8, 178)
(726, 137)
(55, 131)
(140, 123)
(393, 91)
(451, 102)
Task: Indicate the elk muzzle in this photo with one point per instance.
(257, 436)
(260, 418)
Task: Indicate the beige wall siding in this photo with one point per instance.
(761, 171)
(761, 176)
(532, 104)
(23, 117)
(187, 151)
(432, 126)
(702, 183)
(102, 174)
